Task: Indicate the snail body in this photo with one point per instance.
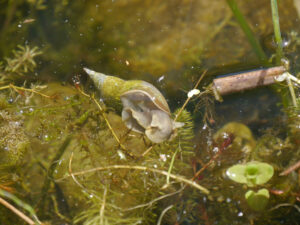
(144, 108)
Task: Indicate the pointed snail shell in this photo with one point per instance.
(144, 108)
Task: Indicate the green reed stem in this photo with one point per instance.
(171, 165)
(21, 204)
(247, 30)
(278, 40)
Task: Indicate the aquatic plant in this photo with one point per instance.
(247, 30)
(22, 62)
(257, 200)
(13, 140)
(253, 174)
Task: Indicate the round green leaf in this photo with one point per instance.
(257, 200)
(252, 173)
(237, 173)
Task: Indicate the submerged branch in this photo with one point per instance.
(290, 169)
(247, 80)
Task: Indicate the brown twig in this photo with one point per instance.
(147, 151)
(290, 169)
(247, 80)
(17, 212)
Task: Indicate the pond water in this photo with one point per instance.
(92, 149)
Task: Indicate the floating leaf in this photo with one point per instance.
(257, 200)
(253, 173)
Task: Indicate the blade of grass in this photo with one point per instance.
(278, 40)
(21, 204)
(247, 30)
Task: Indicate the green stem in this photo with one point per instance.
(21, 204)
(278, 40)
(171, 165)
(292, 91)
(247, 30)
(50, 172)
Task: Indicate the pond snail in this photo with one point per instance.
(144, 108)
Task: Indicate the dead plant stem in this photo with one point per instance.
(143, 168)
(17, 89)
(17, 212)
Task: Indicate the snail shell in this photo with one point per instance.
(144, 108)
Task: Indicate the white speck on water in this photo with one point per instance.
(19, 25)
(240, 214)
(160, 79)
(10, 100)
(193, 92)
(215, 149)
(163, 157)
(121, 155)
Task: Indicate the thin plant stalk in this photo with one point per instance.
(51, 170)
(163, 213)
(171, 165)
(292, 91)
(20, 203)
(142, 168)
(247, 30)
(276, 25)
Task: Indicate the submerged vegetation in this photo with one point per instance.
(68, 157)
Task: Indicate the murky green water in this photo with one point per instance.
(55, 123)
